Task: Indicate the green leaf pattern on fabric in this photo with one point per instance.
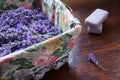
(23, 63)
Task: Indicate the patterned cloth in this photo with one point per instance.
(13, 4)
(35, 60)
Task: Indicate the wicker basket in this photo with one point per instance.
(36, 60)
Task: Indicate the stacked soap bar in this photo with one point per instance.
(95, 20)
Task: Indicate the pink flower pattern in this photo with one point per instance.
(6, 60)
(44, 60)
(70, 43)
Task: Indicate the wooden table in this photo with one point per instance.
(105, 46)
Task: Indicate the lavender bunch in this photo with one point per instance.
(22, 27)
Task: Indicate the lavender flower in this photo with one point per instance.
(22, 27)
(92, 58)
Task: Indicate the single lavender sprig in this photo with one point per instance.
(93, 59)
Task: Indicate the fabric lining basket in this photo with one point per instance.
(35, 61)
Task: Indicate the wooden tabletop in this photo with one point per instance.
(105, 46)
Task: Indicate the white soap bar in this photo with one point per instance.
(96, 18)
(97, 30)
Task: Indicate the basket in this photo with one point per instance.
(33, 62)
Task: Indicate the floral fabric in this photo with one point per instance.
(35, 60)
(57, 11)
(13, 4)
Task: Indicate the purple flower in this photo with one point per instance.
(92, 58)
(22, 27)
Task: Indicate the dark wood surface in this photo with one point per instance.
(105, 46)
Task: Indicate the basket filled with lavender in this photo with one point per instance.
(34, 40)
